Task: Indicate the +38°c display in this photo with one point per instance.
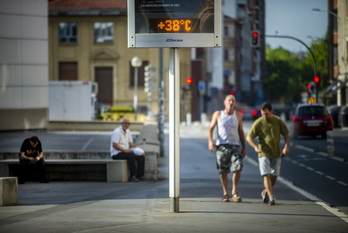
(173, 25)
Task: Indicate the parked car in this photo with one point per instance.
(311, 119)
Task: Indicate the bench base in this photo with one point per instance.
(8, 191)
(72, 170)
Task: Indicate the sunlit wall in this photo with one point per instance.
(23, 64)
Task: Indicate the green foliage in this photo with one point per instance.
(319, 48)
(288, 74)
(283, 82)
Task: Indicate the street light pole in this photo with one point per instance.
(310, 51)
(330, 12)
(136, 63)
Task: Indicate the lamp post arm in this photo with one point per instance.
(310, 51)
(294, 38)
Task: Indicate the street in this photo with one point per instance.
(144, 206)
(307, 166)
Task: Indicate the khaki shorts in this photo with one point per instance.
(228, 158)
(269, 166)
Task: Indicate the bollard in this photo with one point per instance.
(188, 118)
(330, 143)
(203, 118)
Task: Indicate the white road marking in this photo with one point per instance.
(330, 177)
(304, 148)
(308, 195)
(87, 144)
(334, 211)
(342, 183)
(319, 172)
(322, 153)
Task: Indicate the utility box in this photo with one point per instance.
(72, 100)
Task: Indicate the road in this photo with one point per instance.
(144, 206)
(309, 167)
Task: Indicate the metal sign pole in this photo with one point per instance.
(174, 127)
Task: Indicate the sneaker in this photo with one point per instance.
(140, 178)
(271, 201)
(264, 196)
(132, 179)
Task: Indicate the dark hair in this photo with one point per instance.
(34, 139)
(266, 105)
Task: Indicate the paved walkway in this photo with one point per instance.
(145, 207)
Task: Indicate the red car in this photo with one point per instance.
(311, 119)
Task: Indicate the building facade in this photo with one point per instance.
(342, 53)
(88, 41)
(23, 64)
(237, 67)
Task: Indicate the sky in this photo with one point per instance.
(295, 18)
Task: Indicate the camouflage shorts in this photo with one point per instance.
(228, 158)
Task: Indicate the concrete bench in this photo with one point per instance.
(91, 165)
(8, 191)
(75, 169)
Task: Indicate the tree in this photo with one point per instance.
(289, 74)
(283, 80)
(319, 48)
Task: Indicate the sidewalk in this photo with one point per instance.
(145, 206)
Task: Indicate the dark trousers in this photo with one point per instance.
(135, 170)
(24, 168)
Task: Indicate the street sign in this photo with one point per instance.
(174, 24)
(201, 86)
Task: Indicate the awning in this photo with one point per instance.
(333, 88)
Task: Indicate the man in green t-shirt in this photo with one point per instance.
(268, 129)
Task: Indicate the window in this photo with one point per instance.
(67, 32)
(103, 32)
(226, 31)
(313, 111)
(68, 71)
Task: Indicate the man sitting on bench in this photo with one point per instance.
(120, 148)
(31, 152)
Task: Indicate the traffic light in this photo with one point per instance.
(188, 83)
(316, 79)
(150, 79)
(311, 87)
(255, 39)
(316, 83)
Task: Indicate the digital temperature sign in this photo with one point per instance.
(174, 23)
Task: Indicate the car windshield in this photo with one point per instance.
(312, 111)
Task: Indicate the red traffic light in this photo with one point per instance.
(255, 39)
(316, 79)
(189, 80)
(254, 112)
(309, 86)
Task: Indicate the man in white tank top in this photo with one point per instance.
(229, 155)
